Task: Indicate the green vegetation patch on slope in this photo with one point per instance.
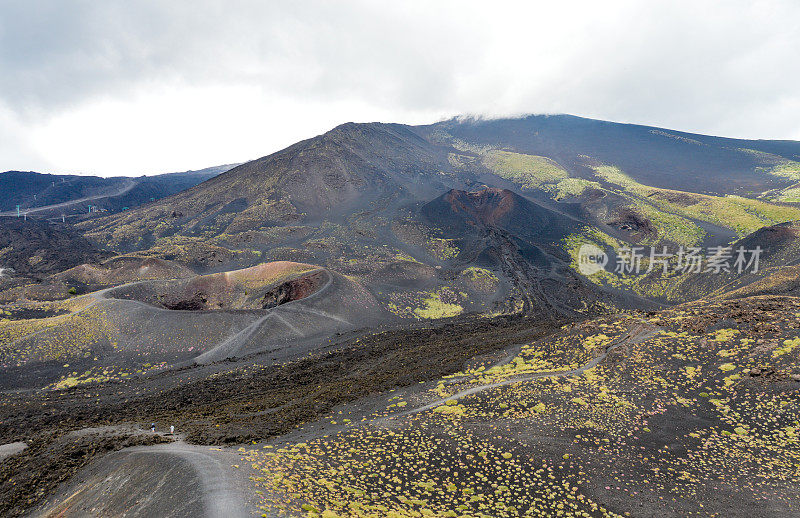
(775, 165)
(442, 302)
(593, 236)
(790, 194)
(683, 405)
(529, 171)
(570, 187)
(434, 307)
(480, 279)
(443, 249)
(588, 235)
(654, 285)
(743, 215)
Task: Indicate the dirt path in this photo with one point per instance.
(130, 184)
(234, 343)
(174, 479)
(636, 334)
(12, 448)
(225, 348)
(221, 498)
(95, 297)
(367, 407)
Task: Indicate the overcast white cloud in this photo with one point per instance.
(140, 87)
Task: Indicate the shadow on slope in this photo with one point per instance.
(777, 268)
(501, 230)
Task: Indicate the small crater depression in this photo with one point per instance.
(295, 289)
(262, 287)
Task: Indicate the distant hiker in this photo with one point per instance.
(152, 427)
(172, 429)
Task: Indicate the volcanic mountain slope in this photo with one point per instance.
(179, 481)
(54, 195)
(677, 415)
(635, 183)
(773, 270)
(689, 412)
(88, 277)
(777, 267)
(365, 166)
(653, 156)
(459, 211)
(349, 169)
(154, 322)
(35, 249)
(31, 189)
(578, 431)
(350, 199)
(501, 231)
(120, 270)
(304, 256)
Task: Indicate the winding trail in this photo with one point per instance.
(130, 184)
(12, 448)
(221, 499)
(96, 297)
(233, 344)
(636, 334)
(222, 489)
(226, 347)
(206, 481)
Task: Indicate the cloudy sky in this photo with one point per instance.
(137, 87)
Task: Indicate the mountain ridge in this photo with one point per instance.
(353, 199)
(57, 194)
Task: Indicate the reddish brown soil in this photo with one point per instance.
(295, 289)
(487, 206)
